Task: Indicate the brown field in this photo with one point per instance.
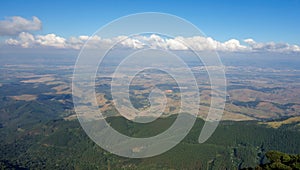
(275, 96)
(277, 124)
(26, 97)
(40, 80)
(62, 89)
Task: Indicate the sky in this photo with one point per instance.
(256, 24)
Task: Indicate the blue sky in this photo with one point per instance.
(262, 20)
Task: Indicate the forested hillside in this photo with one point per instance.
(62, 144)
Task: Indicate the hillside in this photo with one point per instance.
(61, 144)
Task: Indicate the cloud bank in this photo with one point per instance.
(21, 30)
(16, 24)
(199, 43)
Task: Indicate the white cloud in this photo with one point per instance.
(271, 46)
(207, 44)
(174, 44)
(51, 40)
(132, 43)
(249, 41)
(234, 45)
(27, 40)
(15, 25)
(21, 27)
(198, 43)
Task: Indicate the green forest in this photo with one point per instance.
(32, 141)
